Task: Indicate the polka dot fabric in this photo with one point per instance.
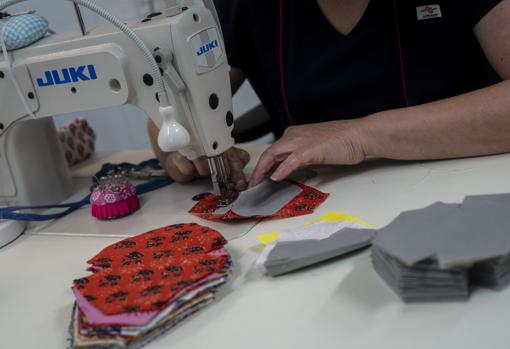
(147, 272)
(304, 203)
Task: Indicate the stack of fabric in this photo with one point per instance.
(423, 281)
(297, 248)
(439, 252)
(143, 286)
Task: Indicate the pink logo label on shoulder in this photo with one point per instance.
(428, 12)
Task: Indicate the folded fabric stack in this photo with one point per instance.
(143, 286)
(300, 247)
(439, 252)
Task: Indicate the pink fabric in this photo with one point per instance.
(114, 198)
(116, 210)
(112, 192)
(96, 317)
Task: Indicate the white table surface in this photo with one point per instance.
(337, 304)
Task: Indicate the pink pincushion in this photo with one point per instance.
(114, 199)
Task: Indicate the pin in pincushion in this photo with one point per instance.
(113, 198)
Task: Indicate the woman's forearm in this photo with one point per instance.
(476, 123)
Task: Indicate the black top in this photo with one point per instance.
(400, 53)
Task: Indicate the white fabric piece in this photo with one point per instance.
(316, 231)
(259, 263)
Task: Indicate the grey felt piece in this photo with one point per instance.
(289, 256)
(414, 277)
(410, 237)
(420, 288)
(480, 232)
(454, 235)
(493, 273)
(423, 296)
(420, 272)
(495, 198)
(265, 199)
(435, 253)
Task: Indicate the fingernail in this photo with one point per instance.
(275, 177)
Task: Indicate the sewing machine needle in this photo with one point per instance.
(220, 179)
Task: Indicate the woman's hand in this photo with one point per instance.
(335, 142)
(182, 170)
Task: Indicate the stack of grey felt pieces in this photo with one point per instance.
(440, 252)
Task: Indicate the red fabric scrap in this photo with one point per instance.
(145, 272)
(304, 203)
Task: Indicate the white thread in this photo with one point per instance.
(91, 5)
(10, 72)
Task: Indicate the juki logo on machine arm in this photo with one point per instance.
(207, 47)
(68, 75)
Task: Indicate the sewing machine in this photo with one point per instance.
(73, 72)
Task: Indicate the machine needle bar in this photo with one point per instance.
(220, 179)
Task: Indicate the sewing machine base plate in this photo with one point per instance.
(10, 231)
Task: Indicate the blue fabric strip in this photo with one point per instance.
(16, 212)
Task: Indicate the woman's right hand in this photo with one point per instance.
(183, 170)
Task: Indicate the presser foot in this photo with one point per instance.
(221, 180)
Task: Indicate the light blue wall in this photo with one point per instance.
(125, 127)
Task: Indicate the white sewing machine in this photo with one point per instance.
(74, 72)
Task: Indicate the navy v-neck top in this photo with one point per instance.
(400, 53)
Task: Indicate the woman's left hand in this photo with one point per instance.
(335, 142)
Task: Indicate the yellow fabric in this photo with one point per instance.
(268, 238)
(331, 216)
